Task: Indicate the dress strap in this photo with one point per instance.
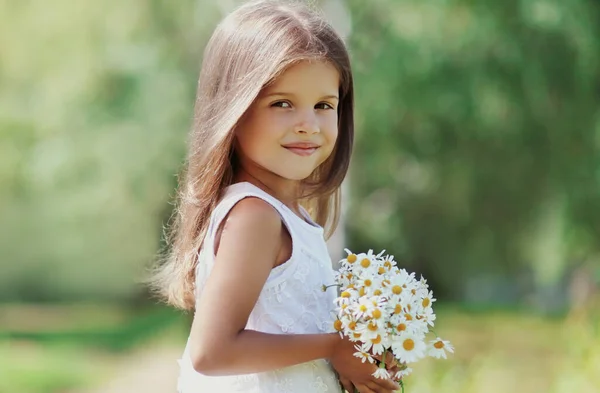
(233, 195)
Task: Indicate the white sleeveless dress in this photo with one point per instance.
(291, 302)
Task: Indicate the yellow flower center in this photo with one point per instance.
(363, 308)
(337, 325)
(362, 291)
(365, 263)
(397, 309)
(439, 344)
(396, 289)
(377, 313)
(346, 294)
(426, 302)
(372, 326)
(387, 264)
(381, 270)
(352, 325)
(413, 291)
(376, 340)
(408, 344)
(351, 258)
(356, 335)
(377, 292)
(401, 327)
(408, 317)
(368, 283)
(385, 283)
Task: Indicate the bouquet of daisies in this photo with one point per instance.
(384, 309)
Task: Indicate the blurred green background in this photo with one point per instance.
(476, 164)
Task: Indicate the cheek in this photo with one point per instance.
(251, 133)
(331, 131)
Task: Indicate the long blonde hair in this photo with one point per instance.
(247, 51)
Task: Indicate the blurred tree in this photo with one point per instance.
(477, 149)
(476, 157)
(94, 116)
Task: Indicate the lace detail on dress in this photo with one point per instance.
(297, 305)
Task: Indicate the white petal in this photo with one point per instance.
(381, 373)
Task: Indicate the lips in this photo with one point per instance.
(302, 148)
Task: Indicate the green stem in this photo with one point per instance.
(382, 364)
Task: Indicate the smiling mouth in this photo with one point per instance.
(302, 150)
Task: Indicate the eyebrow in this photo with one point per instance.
(329, 96)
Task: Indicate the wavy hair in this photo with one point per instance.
(247, 51)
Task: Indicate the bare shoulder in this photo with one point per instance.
(251, 220)
(257, 213)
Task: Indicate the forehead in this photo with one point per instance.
(319, 77)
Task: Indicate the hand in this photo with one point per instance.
(391, 365)
(352, 371)
(346, 384)
(390, 360)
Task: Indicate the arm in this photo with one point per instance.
(251, 241)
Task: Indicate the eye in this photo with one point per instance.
(281, 104)
(324, 105)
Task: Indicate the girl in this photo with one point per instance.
(273, 133)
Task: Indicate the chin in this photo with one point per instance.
(296, 175)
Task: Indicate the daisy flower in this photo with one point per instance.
(369, 330)
(427, 299)
(389, 263)
(375, 345)
(363, 354)
(364, 307)
(384, 308)
(403, 373)
(366, 264)
(369, 282)
(427, 315)
(408, 347)
(438, 348)
(381, 373)
(346, 297)
(350, 260)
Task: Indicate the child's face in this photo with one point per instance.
(292, 126)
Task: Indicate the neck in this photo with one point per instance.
(285, 190)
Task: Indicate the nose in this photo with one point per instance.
(307, 123)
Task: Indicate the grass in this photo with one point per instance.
(27, 367)
(507, 352)
(496, 351)
(56, 349)
(112, 328)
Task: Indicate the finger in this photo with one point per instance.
(393, 373)
(391, 360)
(347, 385)
(365, 389)
(385, 385)
(376, 388)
